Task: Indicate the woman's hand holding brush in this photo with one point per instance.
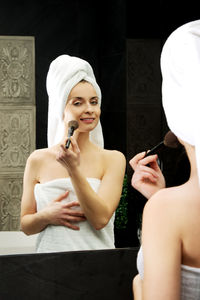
(147, 177)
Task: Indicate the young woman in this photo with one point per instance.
(169, 259)
(70, 195)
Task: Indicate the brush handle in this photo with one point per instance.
(67, 143)
(157, 149)
(70, 133)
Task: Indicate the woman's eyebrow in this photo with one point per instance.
(81, 98)
(94, 97)
(71, 100)
(75, 98)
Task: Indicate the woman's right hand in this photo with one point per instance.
(147, 177)
(69, 158)
(60, 213)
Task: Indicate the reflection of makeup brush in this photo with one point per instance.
(72, 125)
(170, 141)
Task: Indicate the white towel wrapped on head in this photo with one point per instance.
(64, 73)
(180, 65)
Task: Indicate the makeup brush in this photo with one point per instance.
(170, 141)
(72, 125)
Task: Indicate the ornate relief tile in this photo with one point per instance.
(17, 137)
(10, 201)
(144, 123)
(17, 70)
(143, 67)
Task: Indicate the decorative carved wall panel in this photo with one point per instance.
(17, 77)
(146, 120)
(143, 66)
(144, 107)
(10, 201)
(17, 136)
(144, 111)
(17, 123)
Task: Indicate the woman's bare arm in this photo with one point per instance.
(161, 244)
(137, 287)
(98, 207)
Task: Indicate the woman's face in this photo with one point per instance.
(83, 106)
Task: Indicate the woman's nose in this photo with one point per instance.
(89, 108)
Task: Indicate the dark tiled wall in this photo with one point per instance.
(145, 122)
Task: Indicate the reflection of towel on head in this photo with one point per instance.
(64, 73)
(180, 64)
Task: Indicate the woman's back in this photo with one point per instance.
(171, 238)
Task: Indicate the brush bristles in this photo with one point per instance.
(170, 140)
(73, 124)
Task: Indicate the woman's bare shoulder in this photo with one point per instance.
(114, 155)
(38, 155)
(173, 199)
(115, 162)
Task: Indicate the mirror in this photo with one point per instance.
(31, 37)
(125, 58)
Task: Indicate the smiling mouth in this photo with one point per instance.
(87, 120)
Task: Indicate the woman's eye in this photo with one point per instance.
(94, 102)
(77, 103)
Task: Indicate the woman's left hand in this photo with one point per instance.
(69, 158)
